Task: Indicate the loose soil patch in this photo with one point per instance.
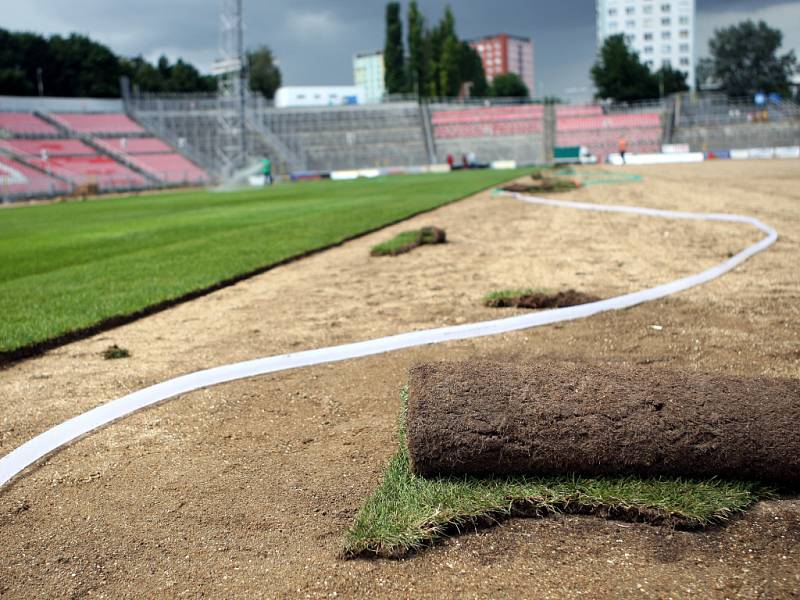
(408, 512)
(408, 240)
(536, 299)
(479, 418)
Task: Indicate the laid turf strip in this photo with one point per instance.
(69, 266)
(547, 418)
(407, 512)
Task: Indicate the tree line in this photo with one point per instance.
(436, 63)
(77, 66)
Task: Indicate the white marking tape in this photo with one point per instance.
(60, 435)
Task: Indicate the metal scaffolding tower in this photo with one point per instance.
(231, 89)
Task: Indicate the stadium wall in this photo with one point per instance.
(740, 135)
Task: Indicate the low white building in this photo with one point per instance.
(328, 95)
(369, 73)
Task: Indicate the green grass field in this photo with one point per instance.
(69, 266)
(407, 512)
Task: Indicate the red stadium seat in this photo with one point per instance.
(135, 145)
(20, 123)
(57, 147)
(98, 122)
(172, 168)
(17, 179)
(105, 172)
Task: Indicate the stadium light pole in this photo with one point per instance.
(230, 70)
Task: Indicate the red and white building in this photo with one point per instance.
(506, 53)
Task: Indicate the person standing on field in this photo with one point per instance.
(266, 170)
(623, 148)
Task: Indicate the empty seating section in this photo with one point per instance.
(54, 147)
(107, 149)
(28, 124)
(157, 158)
(487, 122)
(586, 110)
(107, 173)
(491, 133)
(170, 168)
(601, 134)
(135, 145)
(98, 123)
(350, 136)
(19, 180)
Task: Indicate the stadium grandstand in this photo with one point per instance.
(145, 141)
(53, 152)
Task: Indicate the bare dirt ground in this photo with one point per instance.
(245, 490)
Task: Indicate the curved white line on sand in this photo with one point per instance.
(49, 441)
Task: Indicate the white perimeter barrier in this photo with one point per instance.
(656, 159)
(60, 435)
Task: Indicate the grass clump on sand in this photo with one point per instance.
(536, 299)
(408, 240)
(540, 182)
(115, 352)
(408, 512)
(504, 298)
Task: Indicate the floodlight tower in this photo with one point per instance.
(231, 88)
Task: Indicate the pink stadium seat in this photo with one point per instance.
(98, 122)
(587, 110)
(19, 179)
(104, 171)
(20, 123)
(488, 121)
(135, 145)
(172, 168)
(59, 147)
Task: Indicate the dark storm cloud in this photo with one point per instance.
(315, 39)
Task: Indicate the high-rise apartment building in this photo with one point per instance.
(368, 73)
(505, 53)
(661, 31)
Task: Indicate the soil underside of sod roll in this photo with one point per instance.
(550, 418)
(538, 300)
(538, 186)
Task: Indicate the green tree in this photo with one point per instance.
(417, 50)
(471, 71)
(265, 76)
(509, 85)
(393, 52)
(745, 59)
(85, 68)
(670, 81)
(619, 75)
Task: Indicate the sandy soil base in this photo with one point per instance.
(246, 489)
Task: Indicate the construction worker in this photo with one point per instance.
(266, 170)
(623, 148)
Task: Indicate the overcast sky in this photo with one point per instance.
(314, 40)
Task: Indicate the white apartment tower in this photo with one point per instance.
(368, 73)
(661, 31)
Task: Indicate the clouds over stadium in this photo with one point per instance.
(315, 39)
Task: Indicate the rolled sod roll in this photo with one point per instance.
(554, 418)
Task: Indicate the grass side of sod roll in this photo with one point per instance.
(69, 266)
(407, 513)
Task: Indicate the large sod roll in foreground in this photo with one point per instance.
(489, 419)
